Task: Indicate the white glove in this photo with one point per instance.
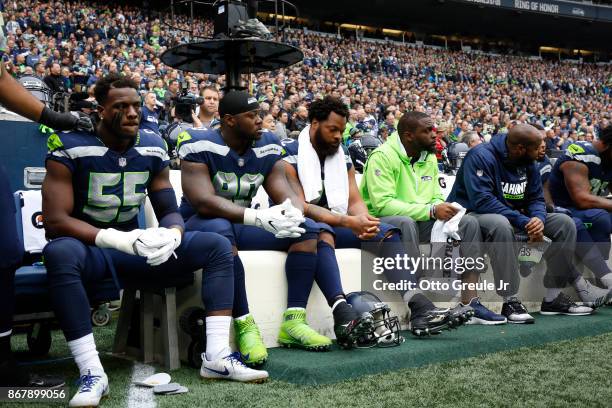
(120, 240)
(293, 213)
(282, 220)
(155, 244)
(158, 244)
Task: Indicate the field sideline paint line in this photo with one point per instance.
(141, 397)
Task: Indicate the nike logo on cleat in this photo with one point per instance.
(225, 372)
(272, 225)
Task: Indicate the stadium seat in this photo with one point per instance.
(32, 279)
(32, 303)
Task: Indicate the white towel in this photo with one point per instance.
(443, 229)
(336, 176)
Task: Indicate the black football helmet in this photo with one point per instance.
(385, 330)
(453, 156)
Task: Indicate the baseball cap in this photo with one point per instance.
(236, 102)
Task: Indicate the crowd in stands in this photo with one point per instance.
(71, 44)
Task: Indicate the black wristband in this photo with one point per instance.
(57, 120)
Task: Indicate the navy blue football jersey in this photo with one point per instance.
(544, 167)
(234, 177)
(149, 120)
(109, 187)
(585, 153)
(291, 147)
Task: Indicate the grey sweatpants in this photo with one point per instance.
(498, 234)
(415, 232)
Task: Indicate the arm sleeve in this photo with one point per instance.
(381, 186)
(480, 191)
(165, 207)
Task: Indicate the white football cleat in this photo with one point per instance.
(231, 368)
(92, 387)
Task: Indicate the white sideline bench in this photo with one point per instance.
(267, 286)
(267, 292)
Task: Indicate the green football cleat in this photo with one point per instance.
(295, 332)
(249, 341)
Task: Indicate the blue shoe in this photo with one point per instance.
(482, 315)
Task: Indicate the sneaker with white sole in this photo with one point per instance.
(91, 389)
(515, 312)
(483, 315)
(231, 367)
(594, 296)
(562, 304)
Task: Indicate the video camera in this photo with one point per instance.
(78, 102)
(184, 105)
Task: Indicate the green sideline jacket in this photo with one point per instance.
(392, 186)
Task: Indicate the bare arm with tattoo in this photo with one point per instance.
(576, 177)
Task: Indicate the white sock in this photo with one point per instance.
(290, 309)
(217, 336)
(607, 280)
(85, 355)
(551, 294)
(336, 303)
(243, 317)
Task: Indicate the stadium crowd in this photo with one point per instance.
(72, 44)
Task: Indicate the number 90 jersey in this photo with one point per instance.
(234, 177)
(109, 187)
(599, 175)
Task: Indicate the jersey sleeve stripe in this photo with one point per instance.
(153, 151)
(588, 158)
(291, 159)
(268, 149)
(546, 169)
(82, 151)
(202, 146)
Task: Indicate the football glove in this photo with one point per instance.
(155, 244)
(120, 240)
(292, 213)
(282, 220)
(158, 244)
(83, 123)
(66, 121)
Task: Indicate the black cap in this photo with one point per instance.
(236, 102)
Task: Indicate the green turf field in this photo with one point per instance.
(565, 373)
